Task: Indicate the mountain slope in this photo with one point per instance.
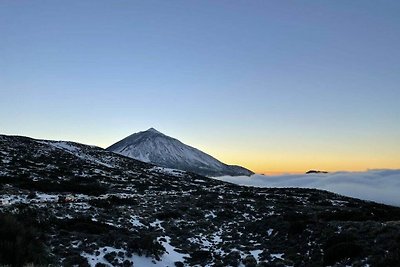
(162, 150)
(68, 204)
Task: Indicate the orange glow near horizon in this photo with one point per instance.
(276, 166)
(297, 152)
(297, 162)
(292, 168)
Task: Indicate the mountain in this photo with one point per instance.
(157, 148)
(69, 204)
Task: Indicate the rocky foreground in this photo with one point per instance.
(68, 204)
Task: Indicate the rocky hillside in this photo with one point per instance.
(154, 147)
(69, 204)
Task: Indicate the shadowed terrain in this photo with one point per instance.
(70, 204)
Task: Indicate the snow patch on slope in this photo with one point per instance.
(167, 259)
(74, 150)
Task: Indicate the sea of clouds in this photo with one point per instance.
(382, 186)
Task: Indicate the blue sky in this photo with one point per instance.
(273, 85)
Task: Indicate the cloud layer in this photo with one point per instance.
(382, 186)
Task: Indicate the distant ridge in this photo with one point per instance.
(155, 147)
(315, 171)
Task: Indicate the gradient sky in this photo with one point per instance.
(276, 86)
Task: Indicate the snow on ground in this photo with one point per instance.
(169, 171)
(381, 186)
(64, 146)
(157, 223)
(171, 256)
(98, 257)
(6, 161)
(43, 197)
(217, 237)
(6, 200)
(135, 221)
(210, 214)
(270, 231)
(277, 256)
(167, 259)
(256, 253)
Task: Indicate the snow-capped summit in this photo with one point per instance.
(153, 130)
(157, 148)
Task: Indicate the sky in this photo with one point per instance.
(275, 86)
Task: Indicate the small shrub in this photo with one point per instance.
(341, 247)
(20, 244)
(297, 227)
(232, 259)
(341, 251)
(246, 194)
(147, 245)
(76, 260)
(84, 225)
(168, 214)
(110, 256)
(201, 256)
(250, 261)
